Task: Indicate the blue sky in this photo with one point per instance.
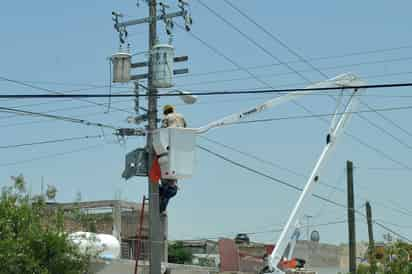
(64, 46)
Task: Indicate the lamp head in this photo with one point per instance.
(187, 97)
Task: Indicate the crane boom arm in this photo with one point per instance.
(338, 122)
(284, 237)
(347, 79)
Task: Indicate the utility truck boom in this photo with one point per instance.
(290, 232)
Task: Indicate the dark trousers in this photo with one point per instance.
(167, 190)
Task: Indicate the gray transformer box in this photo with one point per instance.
(136, 164)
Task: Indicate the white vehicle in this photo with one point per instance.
(104, 246)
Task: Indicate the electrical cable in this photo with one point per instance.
(246, 36)
(54, 92)
(200, 74)
(49, 156)
(294, 187)
(265, 175)
(62, 140)
(273, 75)
(293, 52)
(350, 54)
(251, 40)
(321, 115)
(392, 207)
(57, 109)
(90, 114)
(234, 92)
(224, 56)
(56, 117)
(373, 76)
(302, 59)
(275, 230)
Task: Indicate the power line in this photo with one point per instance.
(49, 156)
(58, 109)
(43, 121)
(293, 62)
(54, 92)
(62, 140)
(264, 175)
(251, 40)
(234, 92)
(275, 230)
(321, 115)
(302, 59)
(360, 141)
(56, 117)
(275, 38)
(294, 187)
(373, 76)
(394, 208)
(273, 75)
(391, 231)
(350, 54)
(292, 69)
(224, 56)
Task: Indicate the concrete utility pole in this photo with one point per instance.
(308, 217)
(351, 219)
(371, 250)
(156, 240)
(135, 158)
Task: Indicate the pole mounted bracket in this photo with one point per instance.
(123, 132)
(183, 4)
(120, 29)
(136, 164)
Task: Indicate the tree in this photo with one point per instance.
(396, 260)
(178, 254)
(32, 239)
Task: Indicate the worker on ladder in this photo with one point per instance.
(168, 188)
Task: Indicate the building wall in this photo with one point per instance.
(104, 214)
(317, 254)
(127, 266)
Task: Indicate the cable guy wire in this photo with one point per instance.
(56, 117)
(213, 93)
(51, 141)
(296, 188)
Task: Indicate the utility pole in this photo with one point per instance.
(156, 240)
(308, 217)
(371, 250)
(139, 162)
(351, 218)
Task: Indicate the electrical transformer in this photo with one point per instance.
(162, 61)
(122, 62)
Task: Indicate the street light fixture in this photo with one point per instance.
(185, 96)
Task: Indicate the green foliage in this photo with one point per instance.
(396, 261)
(397, 258)
(178, 254)
(32, 239)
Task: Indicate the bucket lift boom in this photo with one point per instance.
(175, 144)
(343, 80)
(288, 235)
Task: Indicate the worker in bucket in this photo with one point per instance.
(168, 187)
(171, 118)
